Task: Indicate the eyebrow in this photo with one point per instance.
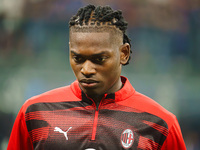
(94, 55)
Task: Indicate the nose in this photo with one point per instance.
(88, 68)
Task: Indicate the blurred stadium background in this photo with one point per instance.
(165, 62)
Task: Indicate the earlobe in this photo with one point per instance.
(124, 53)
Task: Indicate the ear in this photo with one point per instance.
(124, 53)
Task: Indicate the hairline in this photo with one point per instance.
(98, 29)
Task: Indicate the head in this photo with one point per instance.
(99, 47)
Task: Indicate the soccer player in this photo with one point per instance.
(100, 110)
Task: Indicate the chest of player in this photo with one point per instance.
(82, 127)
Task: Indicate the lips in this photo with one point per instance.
(88, 83)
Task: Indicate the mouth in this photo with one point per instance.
(88, 83)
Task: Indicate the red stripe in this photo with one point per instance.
(145, 143)
(95, 125)
(39, 134)
(124, 138)
(160, 128)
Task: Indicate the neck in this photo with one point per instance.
(115, 87)
(97, 98)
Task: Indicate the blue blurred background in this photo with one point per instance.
(165, 63)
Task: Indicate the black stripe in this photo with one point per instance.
(141, 116)
(55, 106)
(39, 145)
(135, 120)
(126, 137)
(85, 99)
(110, 96)
(35, 124)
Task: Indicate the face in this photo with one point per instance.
(96, 60)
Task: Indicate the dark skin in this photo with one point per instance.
(96, 60)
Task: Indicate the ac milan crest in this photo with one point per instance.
(127, 138)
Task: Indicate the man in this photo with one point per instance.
(100, 110)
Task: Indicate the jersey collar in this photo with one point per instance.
(126, 91)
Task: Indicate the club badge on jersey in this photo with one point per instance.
(127, 138)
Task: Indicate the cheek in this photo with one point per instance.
(114, 65)
(112, 70)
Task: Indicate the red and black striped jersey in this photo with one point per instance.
(65, 118)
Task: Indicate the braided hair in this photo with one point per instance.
(101, 15)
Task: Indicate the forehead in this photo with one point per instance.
(94, 39)
(95, 36)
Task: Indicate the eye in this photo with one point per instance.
(99, 60)
(78, 59)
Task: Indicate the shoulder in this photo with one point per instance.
(61, 94)
(151, 106)
(143, 103)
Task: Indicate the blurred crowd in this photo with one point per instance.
(165, 37)
(26, 23)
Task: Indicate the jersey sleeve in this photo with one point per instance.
(19, 138)
(174, 139)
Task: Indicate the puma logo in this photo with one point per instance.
(57, 129)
